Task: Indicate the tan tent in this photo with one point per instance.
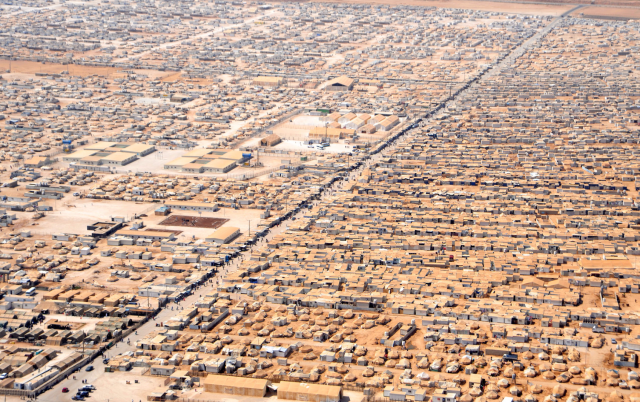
(270, 141)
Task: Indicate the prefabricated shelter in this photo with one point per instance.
(367, 129)
(223, 235)
(78, 155)
(180, 98)
(331, 117)
(388, 123)
(139, 149)
(36, 161)
(162, 370)
(268, 81)
(193, 167)
(236, 156)
(162, 211)
(220, 166)
(301, 391)
(355, 123)
(146, 234)
(346, 118)
(379, 118)
(33, 381)
(222, 384)
(192, 206)
(178, 163)
(330, 133)
(101, 146)
(118, 158)
(197, 153)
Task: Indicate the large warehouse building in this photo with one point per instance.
(223, 384)
(109, 153)
(223, 235)
(301, 391)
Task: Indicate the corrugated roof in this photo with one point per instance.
(240, 382)
(311, 389)
(223, 233)
(220, 163)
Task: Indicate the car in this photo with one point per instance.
(613, 341)
(89, 387)
(105, 361)
(76, 194)
(77, 398)
(3, 376)
(89, 368)
(65, 390)
(83, 394)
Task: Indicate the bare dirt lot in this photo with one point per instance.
(32, 67)
(72, 215)
(622, 13)
(119, 386)
(193, 221)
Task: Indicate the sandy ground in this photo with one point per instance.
(309, 121)
(32, 67)
(67, 219)
(602, 11)
(155, 162)
(109, 386)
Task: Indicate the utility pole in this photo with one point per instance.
(326, 127)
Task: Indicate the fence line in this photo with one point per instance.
(238, 176)
(282, 152)
(295, 126)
